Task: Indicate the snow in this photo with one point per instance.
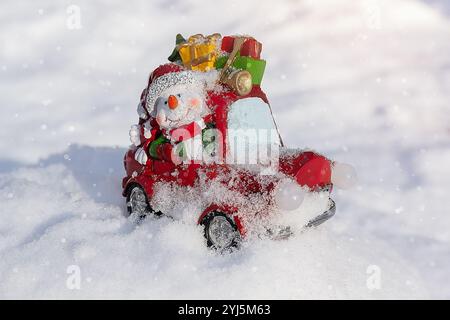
(365, 83)
(134, 134)
(161, 258)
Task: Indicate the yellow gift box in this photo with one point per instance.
(199, 53)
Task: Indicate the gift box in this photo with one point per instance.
(250, 48)
(254, 66)
(199, 53)
(175, 55)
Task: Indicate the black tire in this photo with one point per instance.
(137, 203)
(219, 225)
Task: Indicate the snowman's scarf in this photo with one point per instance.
(186, 132)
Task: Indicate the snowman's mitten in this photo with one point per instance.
(160, 149)
(163, 149)
(141, 156)
(135, 134)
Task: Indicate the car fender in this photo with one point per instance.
(315, 173)
(145, 182)
(228, 210)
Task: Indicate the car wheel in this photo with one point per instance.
(221, 232)
(137, 203)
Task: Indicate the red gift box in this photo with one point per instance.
(250, 47)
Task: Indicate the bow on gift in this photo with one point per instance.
(198, 52)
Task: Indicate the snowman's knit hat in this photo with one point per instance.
(163, 78)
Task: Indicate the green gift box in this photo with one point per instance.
(254, 66)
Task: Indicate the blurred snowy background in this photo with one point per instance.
(364, 82)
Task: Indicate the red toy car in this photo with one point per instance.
(245, 181)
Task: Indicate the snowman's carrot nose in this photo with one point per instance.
(173, 102)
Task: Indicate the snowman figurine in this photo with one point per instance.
(179, 112)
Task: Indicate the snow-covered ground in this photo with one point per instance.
(364, 82)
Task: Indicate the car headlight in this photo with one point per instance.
(288, 195)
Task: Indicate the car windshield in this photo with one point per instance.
(252, 134)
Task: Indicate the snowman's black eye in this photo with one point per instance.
(165, 102)
(179, 95)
